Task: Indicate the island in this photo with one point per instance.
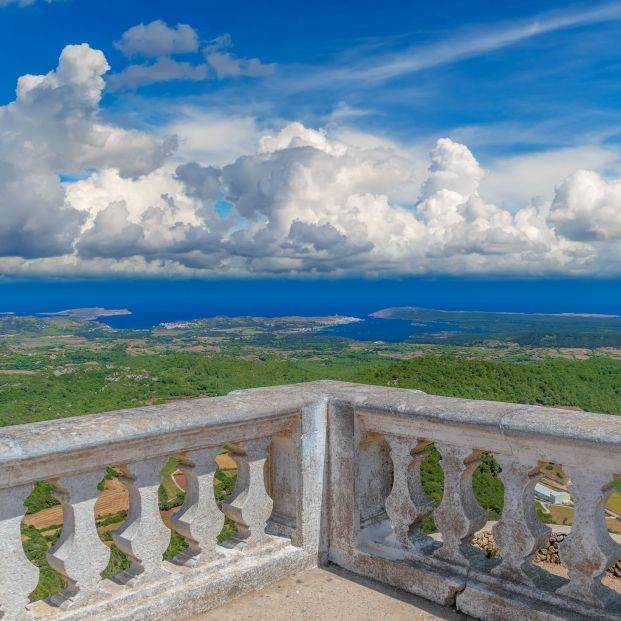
(88, 314)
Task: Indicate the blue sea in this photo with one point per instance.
(153, 301)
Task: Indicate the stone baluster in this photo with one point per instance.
(588, 549)
(18, 576)
(407, 504)
(143, 537)
(79, 554)
(459, 515)
(199, 520)
(250, 506)
(519, 533)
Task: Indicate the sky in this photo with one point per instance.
(312, 140)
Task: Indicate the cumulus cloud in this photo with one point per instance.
(151, 217)
(157, 39)
(320, 204)
(53, 127)
(55, 121)
(34, 221)
(203, 182)
(587, 207)
(297, 200)
(114, 235)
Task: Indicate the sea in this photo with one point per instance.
(154, 301)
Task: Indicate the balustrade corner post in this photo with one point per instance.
(79, 554)
(459, 515)
(143, 537)
(588, 549)
(519, 533)
(407, 504)
(18, 576)
(199, 520)
(250, 506)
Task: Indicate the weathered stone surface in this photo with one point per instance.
(433, 583)
(18, 576)
(588, 549)
(316, 431)
(486, 603)
(311, 436)
(407, 503)
(143, 536)
(189, 591)
(519, 532)
(250, 506)
(331, 593)
(199, 520)
(79, 554)
(459, 515)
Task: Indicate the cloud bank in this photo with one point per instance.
(81, 195)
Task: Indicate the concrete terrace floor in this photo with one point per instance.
(327, 593)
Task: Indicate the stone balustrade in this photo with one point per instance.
(327, 472)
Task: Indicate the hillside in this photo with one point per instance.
(118, 380)
(593, 385)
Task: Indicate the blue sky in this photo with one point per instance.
(530, 90)
(567, 80)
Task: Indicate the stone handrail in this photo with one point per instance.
(327, 472)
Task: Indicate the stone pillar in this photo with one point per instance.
(199, 520)
(588, 549)
(459, 515)
(407, 504)
(18, 576)
(519, 533)
(79, 554)
(250, 506)
(143, 537)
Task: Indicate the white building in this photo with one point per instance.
(554, 496)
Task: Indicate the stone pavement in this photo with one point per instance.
(330, 593)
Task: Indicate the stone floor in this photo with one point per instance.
(328, 593)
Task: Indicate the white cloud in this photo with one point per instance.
(296, 200)
(53, 127)
(212, 137)
(295, 135)
(152, 217)
(587, 207)
(162, 70)
(228, 65)
(512, 181)
(157, 39)
(321, 205)
(34, 222)
(158, 42)
(55, 121)
(453, 168)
